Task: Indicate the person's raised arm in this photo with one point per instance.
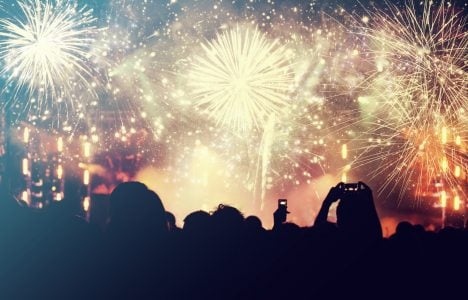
(333, 196)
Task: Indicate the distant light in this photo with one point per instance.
(344, 151)
(25, 166)
(444, 164)
(443, 199)
(87, 149)
(26, 135)
(86, 177)
(60, 144)
(456, 203)
(25, 196)
(457, 171)
(444, 135)
(58, 197)
(86, 203)
(59, 172)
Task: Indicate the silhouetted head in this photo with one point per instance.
(197, 223)
(136, 209)
(227, 219)
(404, 228)
(253, 224)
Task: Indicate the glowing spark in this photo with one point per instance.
(241, 79)
(46, 49)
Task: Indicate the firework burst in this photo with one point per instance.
(418, 96)
(46, 49)
(241, 79)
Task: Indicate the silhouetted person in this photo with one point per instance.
(137, 243)
(356, 214)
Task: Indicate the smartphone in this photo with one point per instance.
(282, 202)
(351, 187)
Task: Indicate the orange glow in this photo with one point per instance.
(458, 140)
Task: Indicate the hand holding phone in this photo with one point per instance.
(282, 203)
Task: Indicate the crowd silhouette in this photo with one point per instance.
(142, 254)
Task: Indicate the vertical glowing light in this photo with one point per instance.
(86, 203)
(344, 177)
(25, 166)
(86, 177)
(344, 151)
(458, 140)
(87, 149)
(26, 135)
(60, 144)
(59, 172)
(25, 196)
(444, 135)
(457, 172)
(444, 164)
(443, 199)
(456, 203)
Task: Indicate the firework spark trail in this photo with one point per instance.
(241, 79)
(46, 49)
(421, 89)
